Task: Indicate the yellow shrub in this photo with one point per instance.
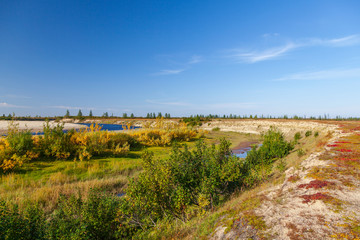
(162, 134)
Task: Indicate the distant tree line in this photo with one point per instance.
(196, 118)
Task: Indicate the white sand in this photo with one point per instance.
(34, 126)
(288, 127)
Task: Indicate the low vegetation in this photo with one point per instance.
(179, 186)
(19, 147)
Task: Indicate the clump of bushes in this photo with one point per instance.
(184, 185)
(94, 217)
(19, 147)
(308, 133)
(28, 223)
(190, 182)
(162, 134)
(16, 149)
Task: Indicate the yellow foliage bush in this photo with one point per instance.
(162, 133)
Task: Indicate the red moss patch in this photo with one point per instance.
(313, 197)
(344, 150)
(315, 184)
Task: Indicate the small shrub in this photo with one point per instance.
(216, 129)
(300, 152)
(308, 133)
(316, 134)
(297, 137)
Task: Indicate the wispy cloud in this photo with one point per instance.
(181, 66)
(14, 96)
(335, 42)
(331, 74)
(8, 105)
(170, 72)
(276, 52)
(195, 59)
(257, 56)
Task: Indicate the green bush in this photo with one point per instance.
(190, 182)
(76, 218)
(316, 134)
(187, 179)
(216, 129)
(308, 133)
(300, 152)
(297, 137)
(26, 224)
(55, 143)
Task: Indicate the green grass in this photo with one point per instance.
(44, 180)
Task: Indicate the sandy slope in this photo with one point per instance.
(288, 127)
(34, 126)
(286, 214)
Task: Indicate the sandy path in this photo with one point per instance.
(34, 126)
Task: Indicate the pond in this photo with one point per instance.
(109, 127)
(104, 127)
(243, 148)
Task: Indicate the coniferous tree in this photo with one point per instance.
(90, 114)
(79, 115)
(67, 113)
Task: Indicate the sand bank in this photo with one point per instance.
(34, 126)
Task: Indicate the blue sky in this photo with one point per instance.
(180, 57)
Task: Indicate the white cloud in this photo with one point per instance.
(181, 67)
(275, 52)
(14, 96)
(170, 72)
(256, 56)
(339, 42)
(331, 74)
(195, 59)
(7, 105)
